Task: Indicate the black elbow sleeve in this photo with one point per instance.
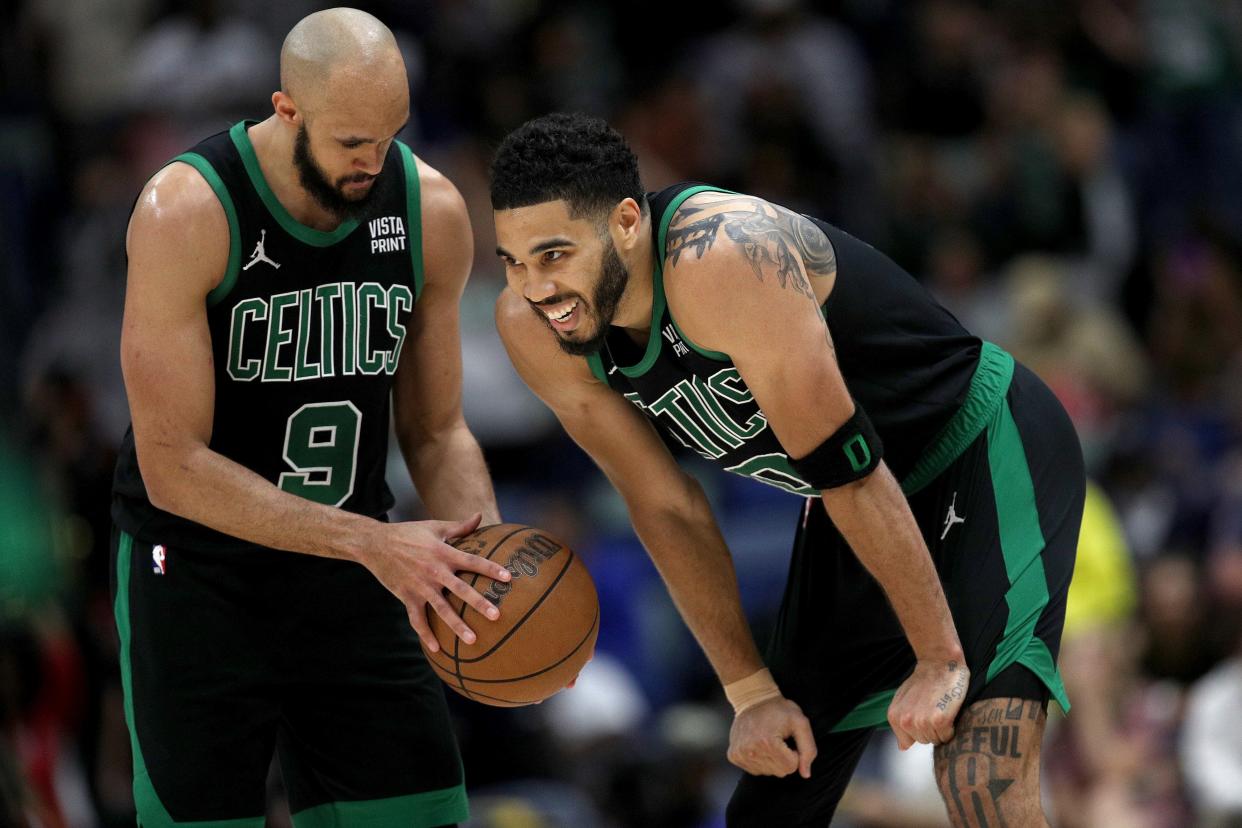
(852, 452)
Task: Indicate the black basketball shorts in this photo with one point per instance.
(229, 657)
(1001, 523)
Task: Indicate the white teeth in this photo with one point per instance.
(563, 315)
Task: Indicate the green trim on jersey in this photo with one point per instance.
(658, 278)
(988, 386)
(212, 178)
(151, 812)
(657, 284)
(653, 336)
(597, 368)
(304, 234)
(447, 806)
(414, 215)
(667, 219)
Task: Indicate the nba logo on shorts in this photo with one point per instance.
(157, 559)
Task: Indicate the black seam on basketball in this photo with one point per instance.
(436, 664)
(462, 610)
(506, 681)
(563, 659)
(569, 560)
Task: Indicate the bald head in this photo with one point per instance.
(339, 55)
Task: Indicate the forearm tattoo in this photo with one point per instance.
(772, 238)
(957, 691)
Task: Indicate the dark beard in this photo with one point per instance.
(613, 277)
(313, 180)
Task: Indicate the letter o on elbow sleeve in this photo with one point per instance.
(851, 453)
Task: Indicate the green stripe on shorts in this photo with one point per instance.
(151, 812)
(870, 712)
(1022, 543)
(421, 810)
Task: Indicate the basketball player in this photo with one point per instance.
(943, 482)
(285, 277)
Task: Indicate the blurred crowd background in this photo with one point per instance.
(1065, 176)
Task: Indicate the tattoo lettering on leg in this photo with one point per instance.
(771, 238)
(1001, 741)
(988, 774)
(976, 791)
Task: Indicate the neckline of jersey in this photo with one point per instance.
(658, 302)
(308, 235)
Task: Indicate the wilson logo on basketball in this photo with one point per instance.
(535, 549)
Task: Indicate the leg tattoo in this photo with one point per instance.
(989, 774)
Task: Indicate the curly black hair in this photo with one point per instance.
(574, 157)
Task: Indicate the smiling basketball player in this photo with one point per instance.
(943, 482)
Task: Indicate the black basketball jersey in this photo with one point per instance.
(306, 333)
(905, 359)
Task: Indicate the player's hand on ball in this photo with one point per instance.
(926, 704)
(757, 740)
(414, 563)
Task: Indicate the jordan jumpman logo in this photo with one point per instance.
(258, 254)
(951, 518)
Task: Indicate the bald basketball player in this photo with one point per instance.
(943, 483)
(288, 278)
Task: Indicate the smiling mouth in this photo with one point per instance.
(562, 316)
(562, 312)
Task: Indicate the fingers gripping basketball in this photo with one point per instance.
(549, 619)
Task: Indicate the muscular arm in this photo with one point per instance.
(178, 244)
(442, 455)
(669, 511)
(748, 281)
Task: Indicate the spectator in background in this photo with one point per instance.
(1094, 762)
(88, 48)
(1080, 347)
(1178, 645)
(1056, 183)
(1193, 163)
(17, 806)
(216, 60)
(933, 85)
(40, 666)
(1224, 561)
(956, 275)
(1097, 190)
(1211, 744)
(788, 99)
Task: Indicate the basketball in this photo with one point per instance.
(549, 618)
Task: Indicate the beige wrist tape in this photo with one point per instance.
(756, 688)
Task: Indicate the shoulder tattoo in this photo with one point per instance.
(768, 236)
